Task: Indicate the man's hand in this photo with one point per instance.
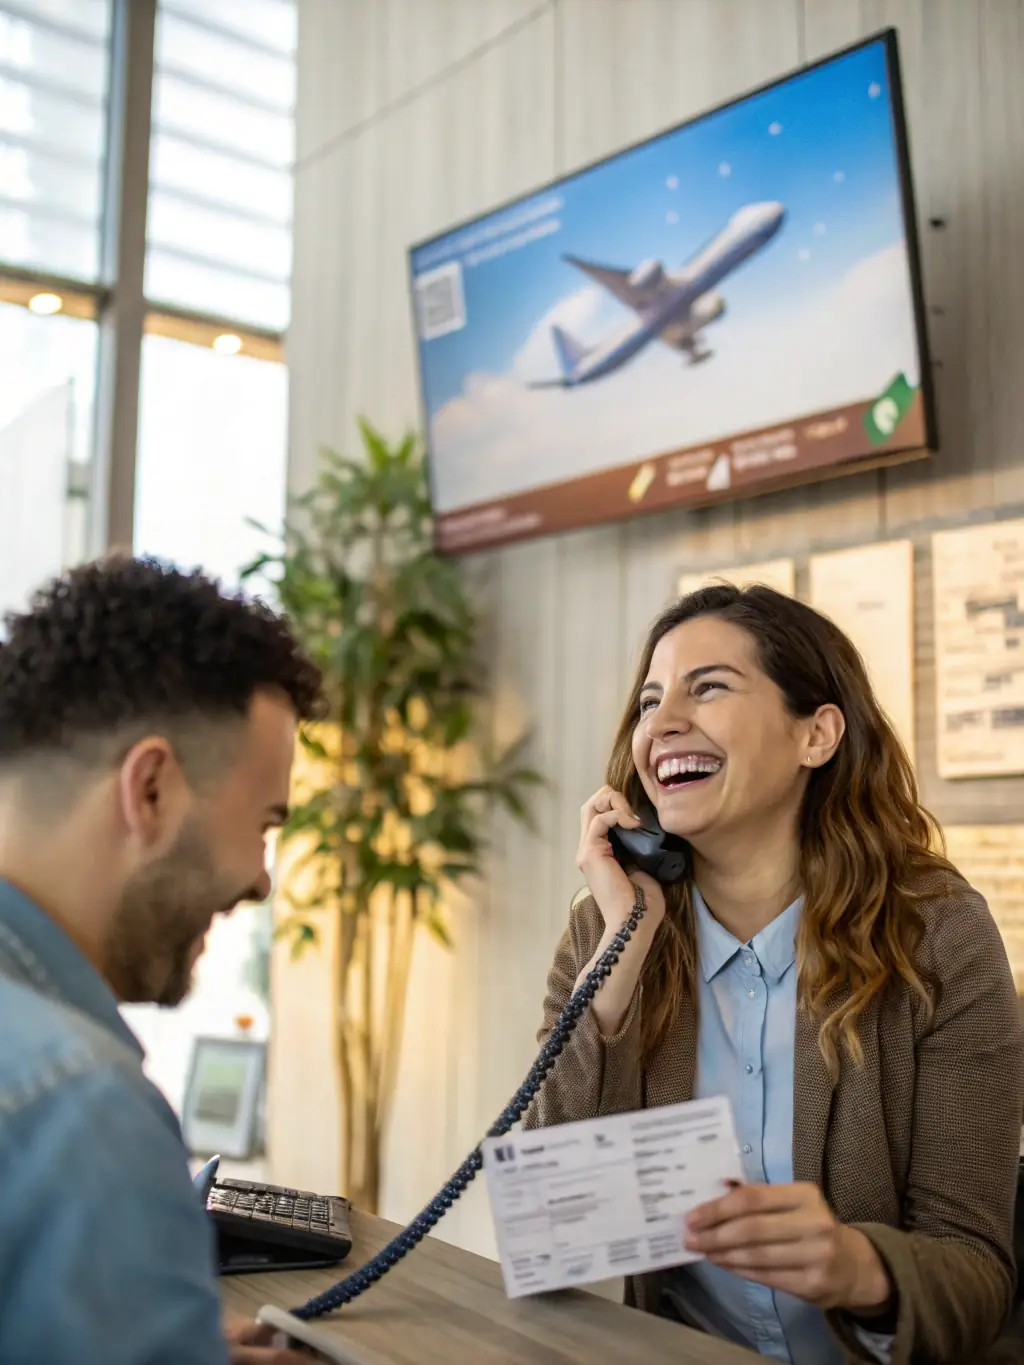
(786, 1237)
(249, 1343)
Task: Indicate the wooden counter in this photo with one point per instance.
(443, 1306)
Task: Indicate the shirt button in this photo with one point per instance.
(749, 1069)
(751, 994)
(748, 962)
(747, 1149)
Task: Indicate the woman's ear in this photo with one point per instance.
(823, 736)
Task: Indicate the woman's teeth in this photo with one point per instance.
(673, 771)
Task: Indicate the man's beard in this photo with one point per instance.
(164, 911)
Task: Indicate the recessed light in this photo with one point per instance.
(227, 344)
(46, 303)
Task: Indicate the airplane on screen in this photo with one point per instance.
(671, 306)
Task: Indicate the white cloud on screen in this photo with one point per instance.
(839, 346)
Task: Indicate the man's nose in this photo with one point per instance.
(262, 886)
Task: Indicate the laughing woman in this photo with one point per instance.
(824, 968)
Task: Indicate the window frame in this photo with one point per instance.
(124, 314)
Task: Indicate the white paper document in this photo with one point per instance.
(589, 1201)
(979, 649)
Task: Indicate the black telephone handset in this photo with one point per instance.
(665, 857)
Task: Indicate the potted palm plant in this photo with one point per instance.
(393, 790)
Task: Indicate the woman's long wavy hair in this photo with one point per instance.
(866, 843)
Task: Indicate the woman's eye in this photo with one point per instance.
(647, 704)
(703, 688)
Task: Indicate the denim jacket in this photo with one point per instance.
(106, 1255)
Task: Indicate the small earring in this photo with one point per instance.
(809, 759)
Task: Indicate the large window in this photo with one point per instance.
(220, 204)
(212, 442)
(211, 436)
(54, 79)
(208, 451)
(46, 403)
(54, 97)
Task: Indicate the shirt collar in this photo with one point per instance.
(775, 945)
(56, 966)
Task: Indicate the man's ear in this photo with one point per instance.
(153, 793)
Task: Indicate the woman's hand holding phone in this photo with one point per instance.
(613, 890)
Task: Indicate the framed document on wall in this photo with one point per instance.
(868, 591)
(978, 574)
(779, 574)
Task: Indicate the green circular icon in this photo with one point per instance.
(885, 415)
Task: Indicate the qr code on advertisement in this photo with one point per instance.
(440, 301)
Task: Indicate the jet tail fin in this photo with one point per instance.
(570, 350)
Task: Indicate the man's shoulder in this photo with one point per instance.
(81, 1124)
(105, 1250)
(47, 1044)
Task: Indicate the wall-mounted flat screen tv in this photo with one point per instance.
(730, 307)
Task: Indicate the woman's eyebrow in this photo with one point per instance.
(694, 674)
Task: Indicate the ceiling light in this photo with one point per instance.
(46, 303)
(227, 344)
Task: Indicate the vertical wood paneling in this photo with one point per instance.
(337, 93)
(414, 114)
(950, 171)
(422, 40)
(589, 697)
(1002, 150)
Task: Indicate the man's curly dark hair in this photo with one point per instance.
(123, 646)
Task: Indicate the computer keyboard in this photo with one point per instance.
(271, 1226)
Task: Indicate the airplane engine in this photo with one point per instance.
(708, 308)
(647, 275)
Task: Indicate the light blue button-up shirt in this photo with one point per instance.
(106, 1255)
(747, 1001)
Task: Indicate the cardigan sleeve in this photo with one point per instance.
(952, 1260)
(594, 1075)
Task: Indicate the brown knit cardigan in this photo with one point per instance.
(918, 1147)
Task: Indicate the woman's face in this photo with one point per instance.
(715, 747)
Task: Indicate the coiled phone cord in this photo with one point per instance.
(362, 1279)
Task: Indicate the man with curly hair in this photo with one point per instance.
(147, 727)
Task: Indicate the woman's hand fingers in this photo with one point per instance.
(746, 1200)
(787, 1237)
(601, 800)
(597, 834)
(763, 1257)
(600, 814)
(757, 1214)
(604, 802)
(760, 1229)
(608, 883)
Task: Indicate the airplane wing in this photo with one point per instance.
(619, 283)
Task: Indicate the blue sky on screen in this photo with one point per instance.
(822, 144)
